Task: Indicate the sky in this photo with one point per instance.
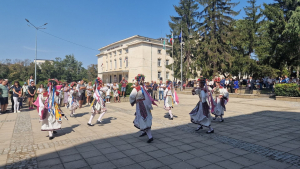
(89, 23)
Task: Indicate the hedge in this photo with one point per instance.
(287, 89)
(128, 88)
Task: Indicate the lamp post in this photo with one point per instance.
(36, 28)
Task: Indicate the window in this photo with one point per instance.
(126, 62)
(110, 54)
(110, 65)
(159, 74)
(120, 62)
(115, 64)
(120, 52)
(167, 62)
(106, 66)
(159, 51)
(115, 53)
(159, 62)
(126, 50)
(167, 75)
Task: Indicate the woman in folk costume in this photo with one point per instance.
(220, 100)
(170, 98)
(49, 110)
(98, 104)
(143, 101)
(73, 102)
(200, 114)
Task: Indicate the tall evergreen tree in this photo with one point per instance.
(187, 11)
(216, 28)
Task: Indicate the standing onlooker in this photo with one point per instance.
(226, 83)
(116, 92)
(40, 90)
(108, 94)
(89, 92)
(25, 91)
(66, 94)
(270, 83)
(17, 92)
(155, 86)
(161, 90)
(231, 85)
(149, 88)
(236, 85)
(251, 83)
(30, 80)
(31, 93)
(222, 82)
(123, 87)
(3, 96)
(285, 80)
(81, 88)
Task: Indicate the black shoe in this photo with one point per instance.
(171, 118)
(143, 134)
(50, 138)
(199, 128)
(54, 132)
(90, 124)
(99, 122)
(214, 118)
(150, 140)
(222, 120)
(209, 132)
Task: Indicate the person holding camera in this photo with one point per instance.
(17, 96)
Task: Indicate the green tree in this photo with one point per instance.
(216, 29)
(92, 72)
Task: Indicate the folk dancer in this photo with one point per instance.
(201, 113)
(98, 104)
(143, 101)
(49, 110)
(73, 102)
(221, 98)
(170, 97)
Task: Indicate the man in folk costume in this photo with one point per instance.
(49, 110)
(143, 101)
(98, 104)
(73, 102)
(201, 113)
(170, 97)
(220, 100)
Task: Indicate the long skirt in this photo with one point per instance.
(50, 124)
(66, 97)
(168, 103)
(198, 117)
(143, 117)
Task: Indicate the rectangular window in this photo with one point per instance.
(115, 53)
(110, 54)
(120, 62)
(167, 75)
(159, 62)
(159, 74)
(110, 65)
(159, 51)
(126, 50)
(167, 62)
(115, 64)
(126, 60)
(106, 66)
(120, 52)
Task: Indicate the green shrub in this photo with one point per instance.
(128, 88)
(287, 89)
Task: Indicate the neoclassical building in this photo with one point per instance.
(136, 54)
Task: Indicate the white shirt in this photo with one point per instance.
(108, 92)
(161, 87)
(226, 81)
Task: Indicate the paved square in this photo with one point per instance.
(257, 133)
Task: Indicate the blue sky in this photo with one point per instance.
(92, 23)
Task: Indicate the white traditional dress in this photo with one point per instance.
(201, 113)
(73, 102)
(143, 116)
(220, 103)
(98, 105)
(169, 101)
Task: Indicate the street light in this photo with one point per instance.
(36, 28)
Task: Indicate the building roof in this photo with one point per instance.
(44, 59)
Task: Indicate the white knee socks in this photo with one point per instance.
(170, 113)
(50, 133)
(210, 128)
(91, 118)
(101, 115)
(149, 133)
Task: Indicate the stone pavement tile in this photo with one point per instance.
(49, 162)
(133, 166)
(168, 160)
(243, 161)
(225, 154)
(148, 148)
(95, 160)
(57, 166)
(260, 166)
(238, 151)
(85, 149)
(141, 157)
(164, 167)
(213, 158)
(105, 165)
(296, 152)
(124, 147)
(229, 164)
(151, 164)
(103, 145)
(293, 167)
(256, 157)
(67, 152)
(90, 154)
(198, 152)
(198, 162)
(186, 147)
(211, 149)
(75, 164)
(109, 150)
(182, 165)
(162, 145)
(184, 156)
(132, 152)
(199, 144)
(282, 148)
(276, 164)
(175, 143)
(157, 154)
(172, 150)
(223, 146)
(187, 140)
(114, 156)
(47, 156)
(69, 158)
(123, 162)
(213, 166)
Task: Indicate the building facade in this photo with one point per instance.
(41, 61)
(134, 55)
